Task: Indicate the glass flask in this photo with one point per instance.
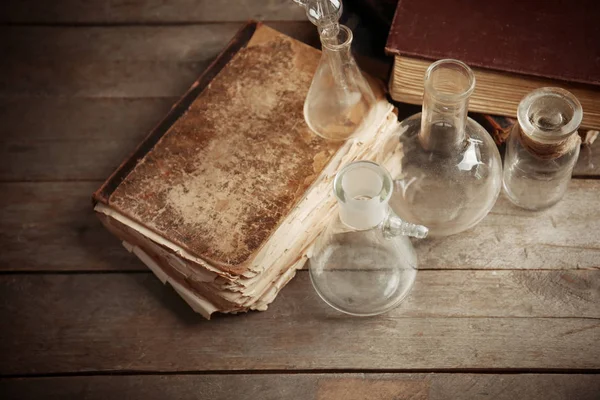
(340, 101)
(542, 148)
(363, 263)
(447, 169)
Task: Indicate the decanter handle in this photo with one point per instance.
(396, 226)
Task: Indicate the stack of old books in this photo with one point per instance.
(513, 47)
(224, 198)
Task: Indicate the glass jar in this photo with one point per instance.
(363, 262)
(542, 148)
(447, 169)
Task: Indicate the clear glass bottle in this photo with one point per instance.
(542, 148)
(363, 263)
(340, 101)
(447, 169)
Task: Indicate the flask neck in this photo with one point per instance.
(448, 86)
(336, 40)
(363, 190)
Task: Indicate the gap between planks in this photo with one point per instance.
(311, 386)
(316, 371)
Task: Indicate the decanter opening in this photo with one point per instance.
(363, 190)
(549, 114)
(335, 37)
(449, 81)
(448, 86)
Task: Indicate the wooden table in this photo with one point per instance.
(507, 310)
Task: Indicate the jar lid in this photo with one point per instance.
(549, 114)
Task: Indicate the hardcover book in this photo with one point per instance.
(513, 47)
(225, 196)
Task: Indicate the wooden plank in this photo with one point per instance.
(588, 163)
(136, 61)
(131, 322)
(60, 119)
(105, 62)
(42, 138)
(52, 135)
(351, 386)
(562, 237)
(51, 227)
(67, 138)
(72, 138)
(56, 218)
(147, 11)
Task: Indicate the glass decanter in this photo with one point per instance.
(446, 167)
(340, 101)
(363, 263)
(542, 148)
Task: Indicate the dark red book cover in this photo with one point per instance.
(554, 39)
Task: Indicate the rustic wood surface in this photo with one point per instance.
(132, 323)
(146, 11)
(56, 218)
(510, 309)
(317, 386)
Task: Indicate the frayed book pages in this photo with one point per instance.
(225, 197)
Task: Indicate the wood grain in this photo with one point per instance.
(43, 138)
(115, 61)
(146, 11)
(562, 237)
(588, 163)
(318, 386)
(57, 218)
(72, 138)
(131, 322)
(519, 292)
(51, 227)
(112, 68)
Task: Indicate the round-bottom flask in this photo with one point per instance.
(449, 168)
(364, 263)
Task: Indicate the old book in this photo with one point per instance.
(513, 47)
(225, 196)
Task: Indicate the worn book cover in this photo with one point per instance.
(513, 47)
(225, 196)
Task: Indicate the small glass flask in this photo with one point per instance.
(340, 101)
(363, 263)
(447, 169)
(542, 148)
